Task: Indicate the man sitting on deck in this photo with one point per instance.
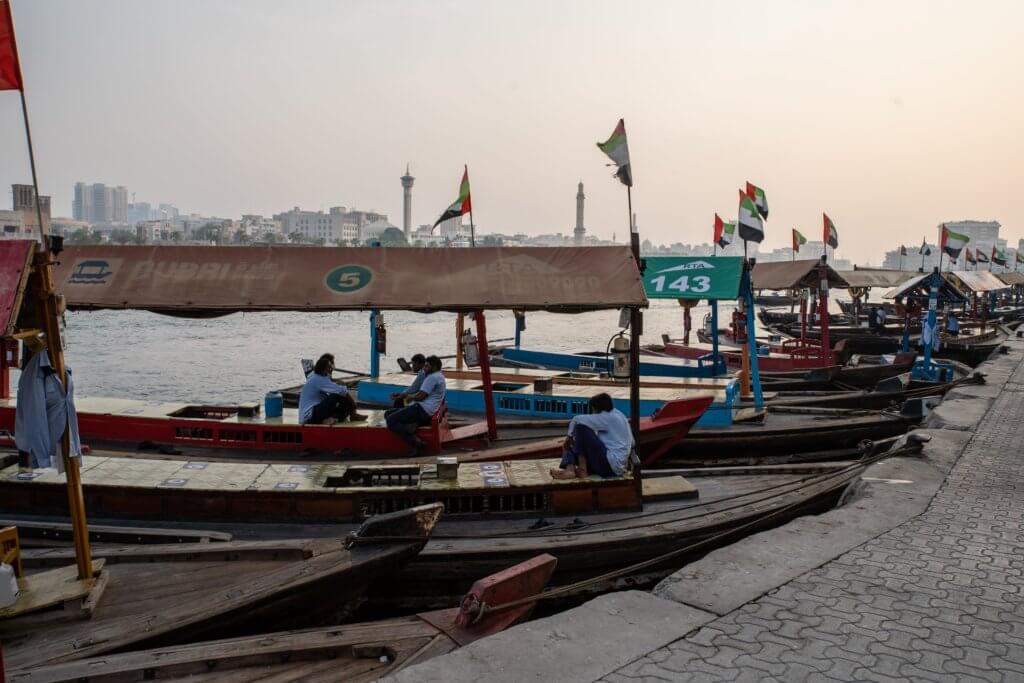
(324, 402)
(598, 443)
(418, 366)
(422, 405)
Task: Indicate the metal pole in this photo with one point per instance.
(374, 355)
(755, 372)
(460, 327)
(826, 349)
(472, 228)
(636, 330)
(714, 337)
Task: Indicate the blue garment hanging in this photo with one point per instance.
(43, 412)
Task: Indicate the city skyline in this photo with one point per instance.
(872, 130)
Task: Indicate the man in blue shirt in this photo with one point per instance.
(399, 397)
(324, 402)
(422, 405)
(598, 443)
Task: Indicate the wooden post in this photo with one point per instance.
(460, 325)
(5, 369)
(485, 375)
(55, 348)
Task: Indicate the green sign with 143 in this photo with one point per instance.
(693, 277)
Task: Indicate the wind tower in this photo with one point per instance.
(407, 181)
(579, 232)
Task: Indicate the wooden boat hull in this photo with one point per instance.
(770, 363)
(351, 652)
(159, 595)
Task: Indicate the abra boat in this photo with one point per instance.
(360, 652)
(143, 596)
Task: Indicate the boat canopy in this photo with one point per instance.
(977, 281)
(199, 281)
(794, 275)
(867, 278)
(693, 277)
(15, 266)
(917, 286)
(1011, 279)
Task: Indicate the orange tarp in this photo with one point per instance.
(199, 280)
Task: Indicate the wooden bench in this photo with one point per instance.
(10, 549)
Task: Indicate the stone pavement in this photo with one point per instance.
(938, 598)
(920, 578)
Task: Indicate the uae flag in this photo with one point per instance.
(831, 236)
(460, 206)
(760, 200)
(998, 257)
(724, 232)
(798, 240)
(969, 256)
(952, 242)
(617, 150)
(10, 68)
(903, 250)
(751, 226)
(979, 256)
(925, 250)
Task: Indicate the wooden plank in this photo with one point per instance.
(50, 588)
(101, 533)
(667, 487)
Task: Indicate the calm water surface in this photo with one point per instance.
(140, 355)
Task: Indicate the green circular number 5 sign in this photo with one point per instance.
(346, 279)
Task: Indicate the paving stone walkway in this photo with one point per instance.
(939, 598)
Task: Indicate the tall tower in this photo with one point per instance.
(407, 181)
(579, 231)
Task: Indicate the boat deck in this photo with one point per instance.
(587, 379)
(114, 471)
(124, 407)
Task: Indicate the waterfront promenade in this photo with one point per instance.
(920, 577)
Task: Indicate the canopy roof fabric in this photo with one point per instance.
(206, 281)
(15, 265)
(917, 286)
(869, 277)
(975, 280)
(793, 275)
(1011, 279)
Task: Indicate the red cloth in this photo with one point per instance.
(10, 69)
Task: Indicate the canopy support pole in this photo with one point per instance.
(55, 350)
(803, 313)
(755, 371)
(485, 374)
(460, 326)
(714, 336)
(826, 348)
(5, 369)
(905, 346)
(520, 320)
(374, 355)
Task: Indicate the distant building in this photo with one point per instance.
(24, 203)
(258, 227)
(100, 204)
(339, 224)
(67, 226)
(10, 225)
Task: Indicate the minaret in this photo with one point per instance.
(407, 181)
(579, 232)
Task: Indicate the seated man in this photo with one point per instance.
(399, 397)
(324, 402)
(598, 443)
(422, 405)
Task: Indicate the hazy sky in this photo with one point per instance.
(890, 115)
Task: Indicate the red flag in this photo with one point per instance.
(10, 68)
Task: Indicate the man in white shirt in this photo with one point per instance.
(598, 443)
(418, 365)
(422, 405)
(324, 402)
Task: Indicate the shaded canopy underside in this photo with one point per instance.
(198, 281)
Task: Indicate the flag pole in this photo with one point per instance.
(55, 346)
(472, 228)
